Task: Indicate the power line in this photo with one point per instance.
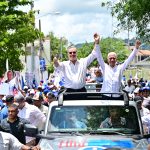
(48, 13)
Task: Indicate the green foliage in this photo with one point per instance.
(85, 50)
(56, 45)
(93, 120)
(17, 29)
(50, 68)
(107, 45)
(132, 14)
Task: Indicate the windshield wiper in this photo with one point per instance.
(106, 132)
(77, 133)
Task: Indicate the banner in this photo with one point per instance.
(4, 89)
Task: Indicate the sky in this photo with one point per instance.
(76, 20)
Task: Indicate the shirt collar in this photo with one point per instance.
(14, 120)
(75, 62)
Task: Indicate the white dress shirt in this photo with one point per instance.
(34, 116)
(9, 142)
(130, 88)
(75, 74)
(112, 76)
(146, 121)
(144, 111)
(44, 109)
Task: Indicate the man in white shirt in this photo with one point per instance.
(130, 87)
(10, 142)
(74, 70)
(37, 101)
(30, 113)
(112, 72)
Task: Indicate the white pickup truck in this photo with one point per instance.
(86, 121)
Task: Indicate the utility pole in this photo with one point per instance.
(61, 56)
(32, 49)
(40, 50)
(40, 40)
(50, 48)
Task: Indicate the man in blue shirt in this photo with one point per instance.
(4, 108)
(71, 121)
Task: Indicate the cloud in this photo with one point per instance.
(77, 28)
(79, 6)
(78, 21)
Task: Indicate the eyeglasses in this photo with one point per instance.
(72, 52)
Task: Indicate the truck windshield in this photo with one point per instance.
(91, 118)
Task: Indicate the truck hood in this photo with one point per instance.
(94, 142)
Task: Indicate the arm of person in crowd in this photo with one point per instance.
(15, 144)
(98, 51)
(25, 147)
(132, 55)
(21, 91)
(41, 119)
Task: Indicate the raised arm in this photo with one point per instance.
(132, 55)
(98, 52)
(58, 65)
(94, 52)
(56, 62)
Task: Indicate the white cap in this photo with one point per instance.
(136, 90)
(32, 91)
(39, 86)
(25, 87)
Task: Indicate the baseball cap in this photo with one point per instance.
(42, 81)
(46, 91)
(25, 87)
(32, 91)
(37, 97)
(9, 98)
(145, 89)
(39, 86)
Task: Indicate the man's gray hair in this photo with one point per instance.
(14, 105)
(19, 98)
(71, 46)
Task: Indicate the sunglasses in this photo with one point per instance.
(72, 52)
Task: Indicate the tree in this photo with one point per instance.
(107, 45)
(132, 14)
(17, 29)
(85, 50)
(56, 44)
